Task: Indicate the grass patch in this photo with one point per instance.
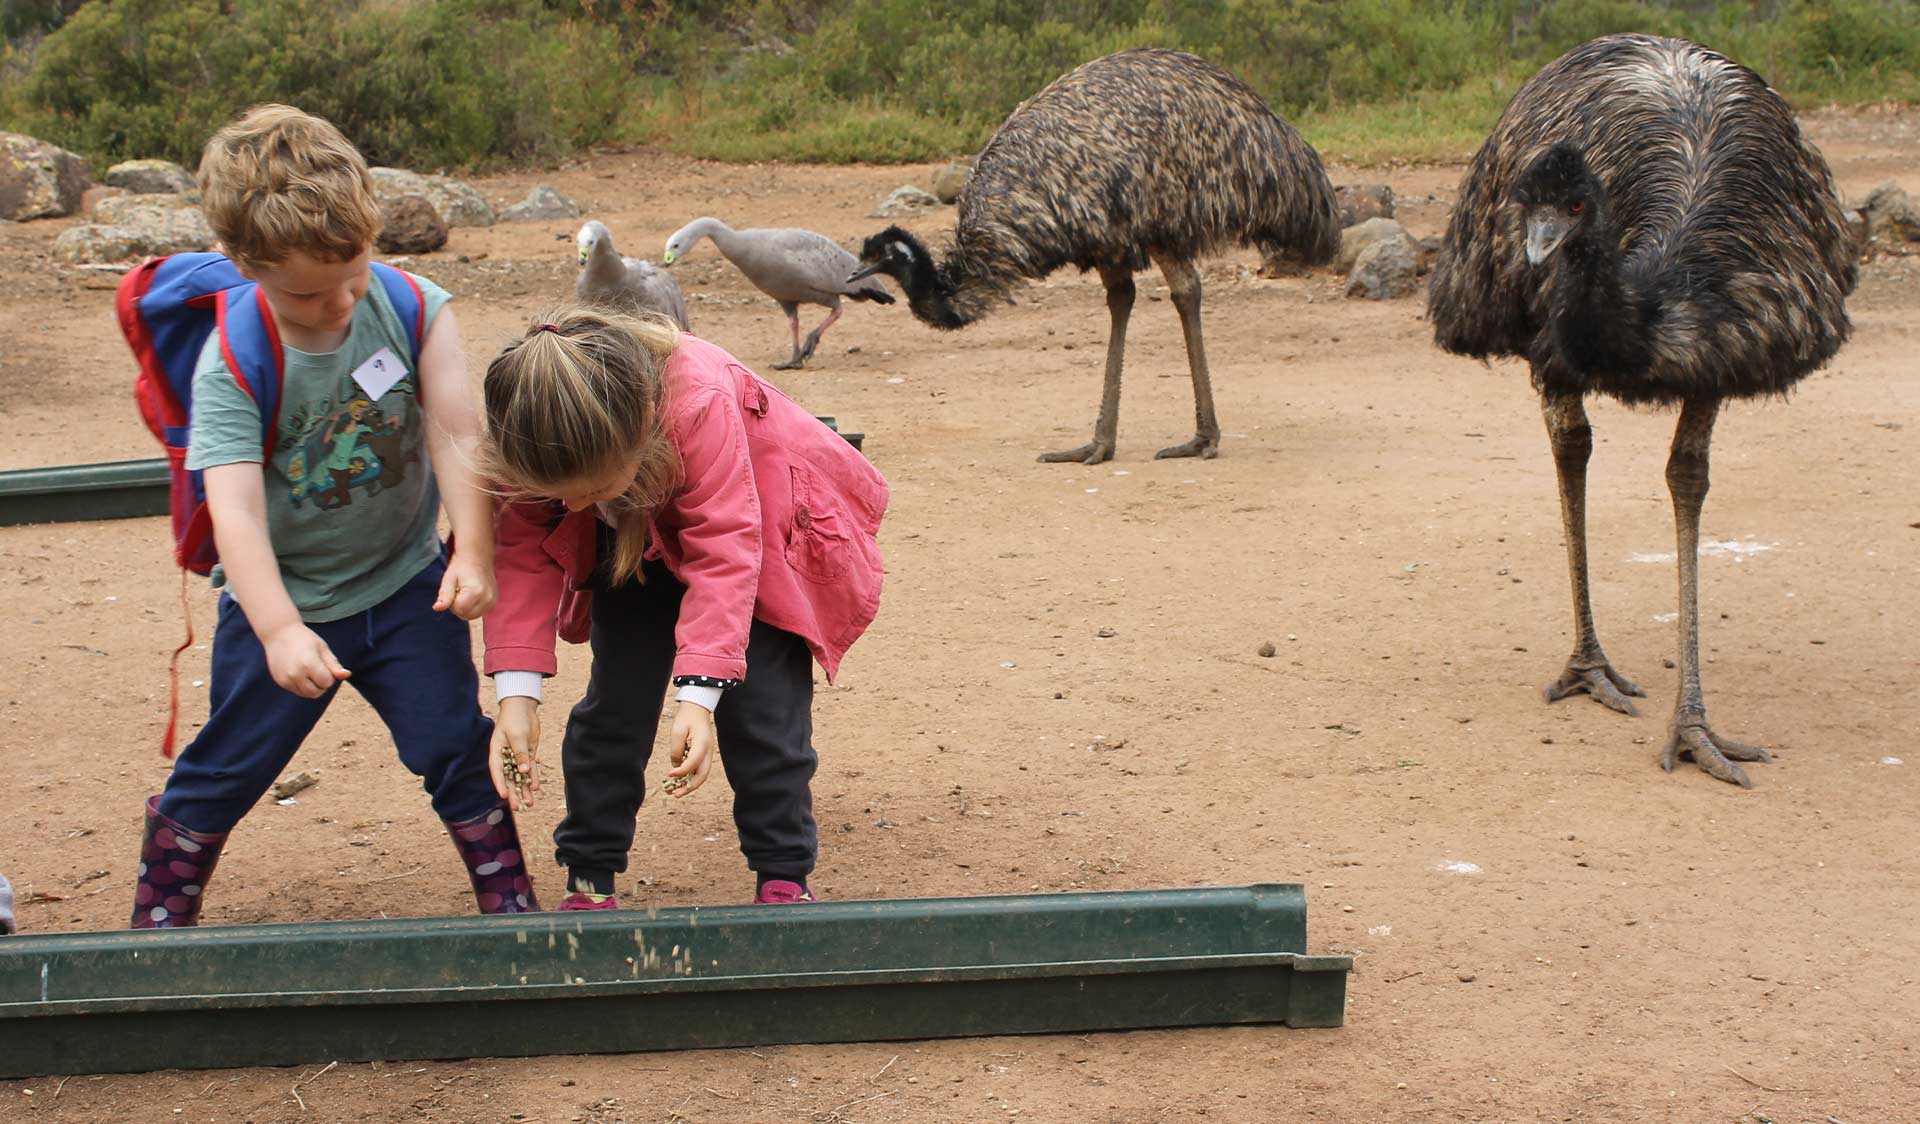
(1434, 127)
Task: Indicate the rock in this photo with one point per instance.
(410, 225)
(298, 782)
(457, 203)
(1385, 270)
(123, 210)
(1424, 251)
(150, 177)
(389, 182)
(134, 232)
(1354, 239)
(951, 180)
(1891, 215)
(1267, 650)
(90, 198)
(543, 202)
(1358, 202)
(39, 180)
(905, 200)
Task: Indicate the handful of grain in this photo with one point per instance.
(510, 769)
(674, 784)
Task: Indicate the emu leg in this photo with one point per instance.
(1587, 669)
(793, 324)
(1119, 282)
(1689, 737)
(813, 337)
(1184, 280)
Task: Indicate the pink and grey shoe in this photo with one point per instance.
(490, 846)
(175, 863)
(781, 891)
(578, 901)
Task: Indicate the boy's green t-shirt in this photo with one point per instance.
(352, 507)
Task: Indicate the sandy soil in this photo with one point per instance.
(1063, 691)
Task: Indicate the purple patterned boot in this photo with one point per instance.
(490, 846)
(175, 864)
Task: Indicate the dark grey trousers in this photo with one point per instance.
(765, 726)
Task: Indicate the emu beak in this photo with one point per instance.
(863, 273)
(1545, 231)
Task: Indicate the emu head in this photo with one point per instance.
(1560, 196)
(892, 251)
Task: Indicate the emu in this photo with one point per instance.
(1646, 222)
(1143, 156)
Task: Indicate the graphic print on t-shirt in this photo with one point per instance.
(347, 441)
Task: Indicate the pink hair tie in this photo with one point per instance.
(546, 327)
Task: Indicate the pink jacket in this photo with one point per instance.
(775, 519)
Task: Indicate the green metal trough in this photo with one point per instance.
(118, 489)
(671, 979)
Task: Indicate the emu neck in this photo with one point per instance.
(1599, 317)
(932, 290)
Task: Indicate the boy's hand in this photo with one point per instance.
(695, 745)
(467, 588)
(301, 662)
(516, 732)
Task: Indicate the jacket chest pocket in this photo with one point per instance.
(819, 541)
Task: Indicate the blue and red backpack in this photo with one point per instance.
(167, 308)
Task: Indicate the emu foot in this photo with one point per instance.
(1202, 446)
(1093, 452)
(1689, 738)
(1597, 678)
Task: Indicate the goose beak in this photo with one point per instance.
(863, 273)
(666, 258)
(583, 255)
(1545, 231)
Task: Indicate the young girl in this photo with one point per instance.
(696, 526)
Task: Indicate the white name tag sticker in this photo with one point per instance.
(378, 374)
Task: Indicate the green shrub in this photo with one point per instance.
(431, 83)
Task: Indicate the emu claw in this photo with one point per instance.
(1206, 448)
(1607, 687)
(1093, 452)
(1690, 739)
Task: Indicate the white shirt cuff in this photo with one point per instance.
(708, 697)
(509, 684)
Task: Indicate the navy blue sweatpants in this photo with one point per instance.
(414, 665)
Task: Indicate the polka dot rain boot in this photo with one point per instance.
(175, 864)
(490, 846)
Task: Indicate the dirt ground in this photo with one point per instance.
(1063, 691)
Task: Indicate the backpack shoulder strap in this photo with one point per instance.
(409, 304)
(250, 344)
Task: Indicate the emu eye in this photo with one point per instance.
(1577, 206)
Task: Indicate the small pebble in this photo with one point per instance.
(1106, 634)
(1267, 650)
(1466, 977)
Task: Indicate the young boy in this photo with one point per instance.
(356, 588)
